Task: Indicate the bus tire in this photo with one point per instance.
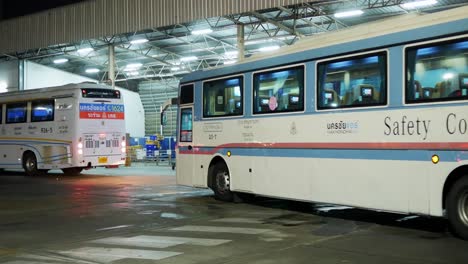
(457, 208)
(75, 171)
(222, 183)
(30, 164)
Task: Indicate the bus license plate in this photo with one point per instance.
(102, 160)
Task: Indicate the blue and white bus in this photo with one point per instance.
(374, 116)
(70, 127)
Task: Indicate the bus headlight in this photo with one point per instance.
(124, 150)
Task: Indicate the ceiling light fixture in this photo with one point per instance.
(85, 50)
(92, 70)
(190, 58)
(231, 54)
(175, 68)
(350, 13)
(268, 48)
(202, 31)
(60, 61)
(139, 41)
(229, 62)
(133, 73)
(418, 4)
(132, 66)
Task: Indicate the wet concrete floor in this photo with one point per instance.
(139, 215)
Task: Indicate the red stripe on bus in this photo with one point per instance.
(370, 146)
(101, 115)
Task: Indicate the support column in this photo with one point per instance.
(240, 42)
(21, 75)
(111, 71)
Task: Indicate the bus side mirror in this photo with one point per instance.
(163, 119)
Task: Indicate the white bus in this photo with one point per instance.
(71, 127)
(374, 116)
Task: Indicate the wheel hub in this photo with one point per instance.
(223, 181)
(30, 164)
(463, 208)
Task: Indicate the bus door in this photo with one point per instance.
(185, 158)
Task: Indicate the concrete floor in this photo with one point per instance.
(139, 215)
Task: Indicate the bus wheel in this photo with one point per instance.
(30, 164)
(457, 208)
(222, 182)
(72, 171)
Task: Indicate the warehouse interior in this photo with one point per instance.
(310, 131)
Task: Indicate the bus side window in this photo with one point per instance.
(16, 113)
(437, 72)
(186, 94)
(42, 111)
(223, 97)
(279, 90)
(352, 82)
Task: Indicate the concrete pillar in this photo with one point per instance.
(240, 41)
(111, 71)
(21, 75)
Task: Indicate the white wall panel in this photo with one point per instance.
(9, 74)
(38, 76)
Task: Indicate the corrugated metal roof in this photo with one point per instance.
(99, 18)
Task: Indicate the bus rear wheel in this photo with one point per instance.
(222, 183)
(457, 208)
(30, 164)
(75, 171)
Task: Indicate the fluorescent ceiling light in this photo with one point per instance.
(85, 50)
(448, 76)
(232, 53)
(175, 68)
(349, 13)
(59, 61)
(132, 66)
(268, 48)
(202, 31)
(417, 4)
(92, 70)
(229, 62)
(139, 41)
(133, 73)
(190, 58)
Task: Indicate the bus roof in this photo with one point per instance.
(53, 89)
(383, 33)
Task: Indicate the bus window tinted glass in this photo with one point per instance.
(186, 94)
(100, 93)
(279, 91)
(16, 113)
(42, 111)
(186, 125)
(352, 82)
(1, 114)
(223, 97)
(437, 72)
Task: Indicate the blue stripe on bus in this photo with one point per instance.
(408, 155)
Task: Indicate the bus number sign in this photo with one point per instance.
(47, 130)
